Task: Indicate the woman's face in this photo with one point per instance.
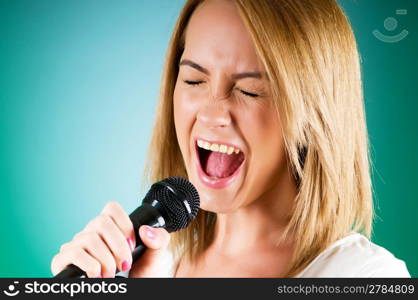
(222, 97)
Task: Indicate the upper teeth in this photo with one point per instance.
(217, 147)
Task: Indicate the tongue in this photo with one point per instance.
(223, 165)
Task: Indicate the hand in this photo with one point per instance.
(107, 242)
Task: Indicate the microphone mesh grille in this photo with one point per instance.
(171, 192)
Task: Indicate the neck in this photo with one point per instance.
(259, 224)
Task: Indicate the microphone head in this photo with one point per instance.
(178, 198)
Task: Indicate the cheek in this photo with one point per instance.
(263, 132)
(184, 116)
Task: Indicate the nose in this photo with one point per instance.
(214, 114)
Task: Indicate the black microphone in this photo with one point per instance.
(171, 203)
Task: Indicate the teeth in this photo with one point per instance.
(217, 147)
(222, 148)
(214, 147)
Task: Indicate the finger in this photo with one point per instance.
(97, 248)
(122, 220)
(153, 260)
(65, 246)
(78, 257)
(115, 241)
(154, 238)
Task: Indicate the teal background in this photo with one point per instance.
(78, 88)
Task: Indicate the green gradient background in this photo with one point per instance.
(78, 88)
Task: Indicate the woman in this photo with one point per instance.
(261, 109)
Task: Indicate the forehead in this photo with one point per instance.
(217, 37)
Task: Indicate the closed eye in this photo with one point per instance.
(249, 94)
(190, 82)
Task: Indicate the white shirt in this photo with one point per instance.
(351, 256)
(355, 256)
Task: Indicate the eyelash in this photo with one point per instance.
(248, 94)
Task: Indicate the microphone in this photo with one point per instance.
(171, 203)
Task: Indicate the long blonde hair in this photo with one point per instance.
(310, 55)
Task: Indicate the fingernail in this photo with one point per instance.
(150, 232)
(126, 265)
(131, 243)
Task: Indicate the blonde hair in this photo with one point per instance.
(310, 55)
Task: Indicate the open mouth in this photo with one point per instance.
(216, 164)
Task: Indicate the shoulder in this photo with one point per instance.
(355, 256)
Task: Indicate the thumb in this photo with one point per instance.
(152, 263)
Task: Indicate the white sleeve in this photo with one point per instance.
(385, 267)
(356, 256)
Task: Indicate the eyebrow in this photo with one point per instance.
(187, 62)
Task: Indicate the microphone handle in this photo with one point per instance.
(72, 271)
(145, 214)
